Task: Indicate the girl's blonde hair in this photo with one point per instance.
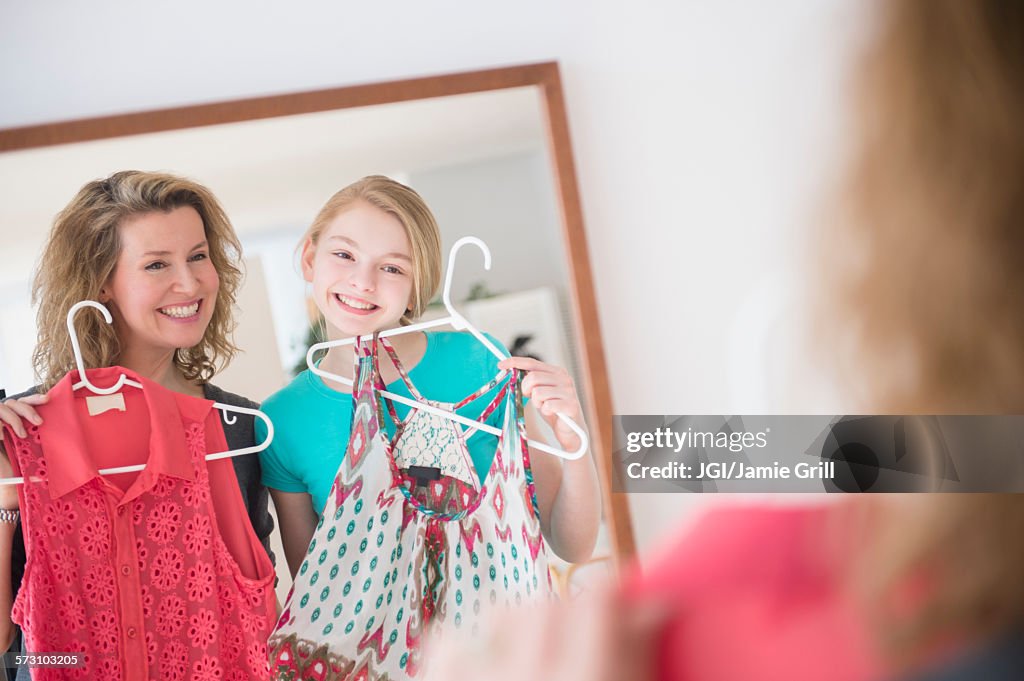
(926, 278)
(420, 226)
(80, 257)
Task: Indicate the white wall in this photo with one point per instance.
(702, 132)
(499, 200)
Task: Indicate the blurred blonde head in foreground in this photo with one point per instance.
(924, 295)
(921, 307)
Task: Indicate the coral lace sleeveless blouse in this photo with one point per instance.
(149, 575)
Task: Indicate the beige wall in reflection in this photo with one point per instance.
(256, 370)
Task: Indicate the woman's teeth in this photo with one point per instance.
(182, 311)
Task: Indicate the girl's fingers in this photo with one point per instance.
(566, 436)
(535, 379)
(34, 399)
(539, 374)
(548, 398)
(533, 366)
(524, 363)
(554, 407)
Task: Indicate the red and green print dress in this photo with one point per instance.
(396, 553)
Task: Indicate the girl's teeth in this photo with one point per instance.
(181, 312)
(352, 303)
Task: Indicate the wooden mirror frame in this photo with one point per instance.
(544, 76)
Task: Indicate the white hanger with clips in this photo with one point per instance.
(459, 322)
(123, 380)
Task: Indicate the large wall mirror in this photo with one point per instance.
(488, 150)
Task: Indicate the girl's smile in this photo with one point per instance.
(355, 305)
(361, 270)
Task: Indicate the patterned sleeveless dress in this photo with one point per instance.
(396, 553)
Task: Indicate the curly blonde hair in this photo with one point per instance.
(411, 210)
(81, 254)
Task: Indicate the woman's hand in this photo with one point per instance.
(551, 390)
(15, 413)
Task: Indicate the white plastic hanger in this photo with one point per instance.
(123, 380)
(83, 380)
(459, 322)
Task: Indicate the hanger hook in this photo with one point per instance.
(452, 254)
(79, 362)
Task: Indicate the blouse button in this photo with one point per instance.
(126, 570)
(120, 510)
(132, 633)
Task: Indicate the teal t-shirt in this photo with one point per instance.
(312, 422)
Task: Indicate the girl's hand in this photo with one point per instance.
(551, 390)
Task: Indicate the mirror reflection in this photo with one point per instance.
(480, 161)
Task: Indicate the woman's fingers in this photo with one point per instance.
(16, 412)
(26, 411)
(12, 419)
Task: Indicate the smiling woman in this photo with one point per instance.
(160, 253)
(162, 291)
(139, 241)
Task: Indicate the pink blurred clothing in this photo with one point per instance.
(757, 594)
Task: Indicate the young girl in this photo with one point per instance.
(373, 257)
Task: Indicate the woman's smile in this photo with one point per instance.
(182, 312)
